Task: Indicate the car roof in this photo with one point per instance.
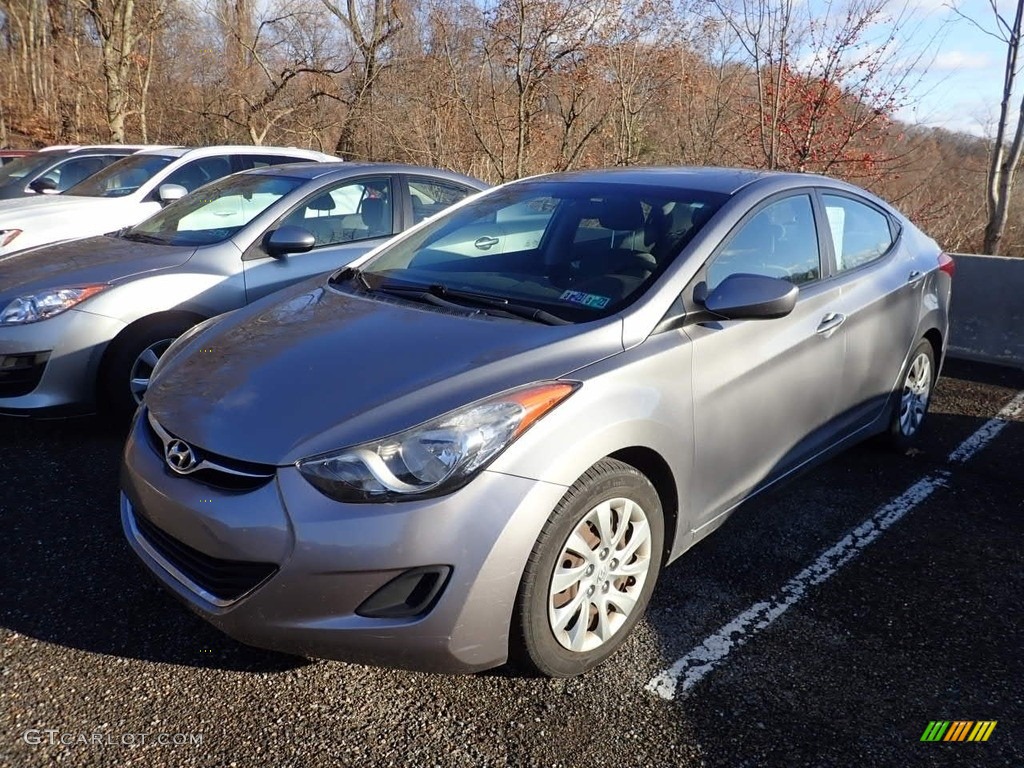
(712, 179)
(311, 171)
(239, 149)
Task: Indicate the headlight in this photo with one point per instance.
(437, 457)
(7, 236)
(40, 306)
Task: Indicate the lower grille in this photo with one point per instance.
(21, 373)
(224, 579)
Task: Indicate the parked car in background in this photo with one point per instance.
(83, 323)
(54, 170)
(10, 155)
(442, 458)
(131, 190)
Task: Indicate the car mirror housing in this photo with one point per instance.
(43, 185)
(288, 239)
(752, 297)
(168, 193)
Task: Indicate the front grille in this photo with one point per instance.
(21, 373)
(224, 579)
(222, 473)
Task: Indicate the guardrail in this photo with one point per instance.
(987, 312)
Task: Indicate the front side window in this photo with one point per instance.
(215, 213)
(860, 233)
(122, 178)
(346, 212)
(577, 250)
(780, 240)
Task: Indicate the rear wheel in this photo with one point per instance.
(129, 363)
(914, 396)
(591, 572)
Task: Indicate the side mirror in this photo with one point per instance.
(752, 297)
(168, 193)
(43, 185)
(288, 239)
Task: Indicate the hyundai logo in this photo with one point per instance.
(180, 457)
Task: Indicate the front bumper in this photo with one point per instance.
(74, 342)
(326, 558)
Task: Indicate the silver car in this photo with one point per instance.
(447, 456)
(83, 323)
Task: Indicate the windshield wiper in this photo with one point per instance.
(350, 273)
(139, 237)
(464, 298)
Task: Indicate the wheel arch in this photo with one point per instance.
(653, 466)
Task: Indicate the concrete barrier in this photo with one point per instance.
(987, 313)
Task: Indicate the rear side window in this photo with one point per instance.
(196, 173)
(860, 233)
(429, 197)
(262, 161)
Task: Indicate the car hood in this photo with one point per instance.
(101, 259)
(37, 206)
(316, 370)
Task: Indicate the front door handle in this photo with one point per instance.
(483, 243)
(829, 323)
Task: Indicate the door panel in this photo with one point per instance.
(880, 301)
(764, 398)
(765, 391)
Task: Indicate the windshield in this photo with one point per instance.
(578, 250)
(21, 167)
(215, 212)
(123, 177)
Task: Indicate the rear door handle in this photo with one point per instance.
(915, 276)
(483, 243)
(830, 323)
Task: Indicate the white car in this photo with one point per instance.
(130, 191)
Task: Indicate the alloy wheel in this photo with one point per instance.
(142, 368)
(917, 390)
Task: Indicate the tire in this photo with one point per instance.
(913, 396)
(128, 363)
(548, 637)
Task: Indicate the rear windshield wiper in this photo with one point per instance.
(464, 298)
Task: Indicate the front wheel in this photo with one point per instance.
(129, 363)
(915, 392)
(591, 573)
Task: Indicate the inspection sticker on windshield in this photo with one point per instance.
(586, 299)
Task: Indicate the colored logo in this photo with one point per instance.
(958, 730)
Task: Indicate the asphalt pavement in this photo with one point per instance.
(816, 659)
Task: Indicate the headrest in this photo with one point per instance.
(373, 212)
(616, 213)
(323, 203)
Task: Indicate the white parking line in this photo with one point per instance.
(682, 676)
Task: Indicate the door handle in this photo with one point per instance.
(483, 243)
(829, 323)
(915, 276)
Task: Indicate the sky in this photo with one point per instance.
(961, 83)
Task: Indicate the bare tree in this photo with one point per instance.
(1008, 143)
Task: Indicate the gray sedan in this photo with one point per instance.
(82, 323)
(445, 457)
